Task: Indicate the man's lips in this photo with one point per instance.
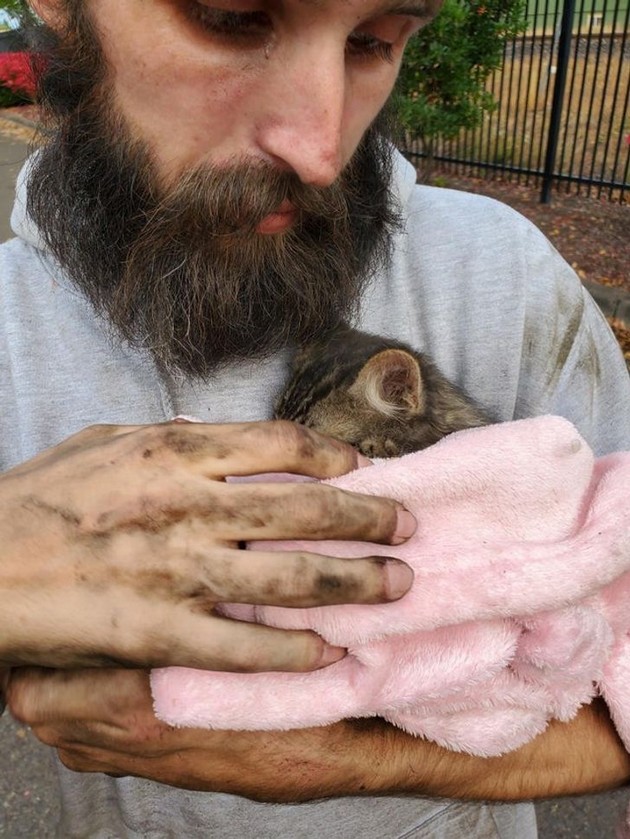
(282, 219)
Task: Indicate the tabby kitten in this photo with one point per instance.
(377, 394)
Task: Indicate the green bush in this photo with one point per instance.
(8, 98)
(14, 7)
(442, 84)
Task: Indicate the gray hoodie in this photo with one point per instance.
(473, 284)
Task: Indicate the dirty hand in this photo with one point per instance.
(117, 544)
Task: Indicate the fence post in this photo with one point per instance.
(564, 52)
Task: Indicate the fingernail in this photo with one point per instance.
(405, 527)
(332, 654)
(399, 579)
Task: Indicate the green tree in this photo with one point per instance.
(442, 85)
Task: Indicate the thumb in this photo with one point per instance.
(39, 696)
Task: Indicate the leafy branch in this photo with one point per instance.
(442, 84)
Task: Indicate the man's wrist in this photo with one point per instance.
(580, 757)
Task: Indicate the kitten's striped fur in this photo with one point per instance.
(375, 393)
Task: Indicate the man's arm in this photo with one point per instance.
(579, 757)
(102, 721)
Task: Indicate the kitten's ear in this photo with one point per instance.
(391, 382)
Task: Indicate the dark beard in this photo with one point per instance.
(182, 272)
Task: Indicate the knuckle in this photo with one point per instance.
(247, 658)
(339, 581)
(247, 661)
(71, 759)
(348, 507)
(328, 456)
(95, 432)
(85, 438)
(354, 515)
(370, 517)
(293, 438)
(22, 706)
(307, 650)
(181, 440)
(323, 508)
(48, 736)
(151, 439)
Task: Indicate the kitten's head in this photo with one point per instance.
(375, 393)
(378, 411)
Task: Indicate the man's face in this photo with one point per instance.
(294, 83)
(214, 187)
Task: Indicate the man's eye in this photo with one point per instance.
(363, 45)
(230, 25)
(384, 38)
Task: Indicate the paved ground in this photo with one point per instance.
(28, 802)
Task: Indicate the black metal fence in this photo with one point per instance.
(563, 94)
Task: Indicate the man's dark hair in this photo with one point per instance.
(63, 63)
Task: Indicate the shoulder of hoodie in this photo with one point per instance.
(456, 217)
(476, 243)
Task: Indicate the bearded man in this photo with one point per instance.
(217, 186)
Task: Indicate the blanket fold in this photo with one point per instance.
(519, 611)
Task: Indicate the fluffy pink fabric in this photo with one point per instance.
(519, 611)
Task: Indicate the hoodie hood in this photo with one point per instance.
(21, 223)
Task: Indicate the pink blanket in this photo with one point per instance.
(519, 611)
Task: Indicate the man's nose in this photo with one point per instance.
(301, 127)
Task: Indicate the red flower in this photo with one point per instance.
(16, 74)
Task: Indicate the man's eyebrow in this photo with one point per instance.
(417, 8)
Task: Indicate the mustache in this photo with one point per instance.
(234, 199)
